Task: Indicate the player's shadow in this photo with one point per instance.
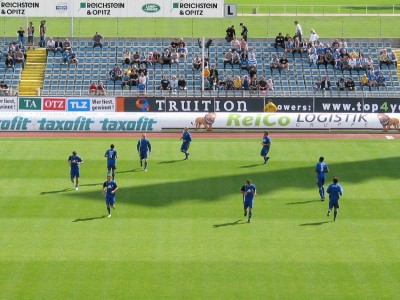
(128, 171)
(303, 202)
(91, 184)
(170, 161)
(315, 223)
(88, 219)
(237, 222)
(251, 166)
(59, 191)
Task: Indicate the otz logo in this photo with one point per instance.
(79, 105)
(142, 104)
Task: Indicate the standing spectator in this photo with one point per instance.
(266, 144)
(43, 30)
(244, 31)
(299, 31)
(31, 32)
(334, 190)
(248, 192)
(110, 188)
(313, 40)
(230, 33)
(321, 168)
(112, 156)
(144, 148)
(186, 140)
(74, 161)
(21, 35)
(97, 40)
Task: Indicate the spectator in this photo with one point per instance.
(197, 62)
(235, 44)
(274, 64)
(350, 85)
(133, 77)
(9, 63)
(182, 83)
(371, 76)
(143, 69)
(174, 84)
(67, 45)
(299, 31)
(175, 43)
(380, 80)
(115, 74)
(182, 51)
(313, 40)
(143, 59)
(150, 59)
(72, 58)
(135, 59)
(369, 63)
(58, 46)
(279, 41)
(21, 47)
(244, 32)
(383, 59)
(365, 82)
(166, 57)
(246, 83)
(341, 84)
(126, 58)
(252, 71)
(174, 57)
(313, 59)
(229, 83)
(338, 60)
(352, 64)
(165, 84)
(93, 89)
(206, 83)
(361, 64)
(19, 58)
(244, 46)
(142, 78)
(4, 90)
(126, 81)
(43, 30)
(206, 73)
(97, 40)
(157, 57)
(230, 33)
(262, 84)
(317, 85)
(21, 35)
(326, 84)
(65, 57)
(288, 46)
(284, 63)
(50, 46)
(329, 59)
(270, 84)
(214, 73)
(31, 32)
(101, 89)
(254, 83)
(237, 83)
(392, 59)
(297, 47)
(228, 58)
(235, 58)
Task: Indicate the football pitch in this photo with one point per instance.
(178, 230)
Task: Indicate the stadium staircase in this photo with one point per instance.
(397, 52)
(33, 74)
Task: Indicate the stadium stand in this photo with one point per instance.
(94, 64)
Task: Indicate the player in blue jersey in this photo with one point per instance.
(321, 169)
(143, 148)
(266, 143)
(334, 190)
(249, 192)
(112, 156)
(110, 188)
(186, 139)
(74, 161)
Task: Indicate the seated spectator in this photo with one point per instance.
(157, 57)
(133, 77)
(126, 58)
(350, 85)
(143, 70)
(338, 60)
(326, 84)
(313, 59)
(174, 84)
(142, 78)
(229, 83)
(341, 84)
(182, 83)
(66, 45)
(321, 59)
(383, 58)
(206, 83)
(58, 46)
(98, 40)
(150, 58)
(182, 51)
(4, 90)
(262, 84)
(93, 89)
(252, 71)
(246, 83)
(297, 47)
(235, 44)
(115, 74)
(329, 59)
(197, 62)
(19, 58)
(72, 58)
(228, 58)
(214, 73)
(352, 64)
(237, 83)
(275, 65)
(371, 76)
(279, 41)
(175, 43)
(288, 46)
(9, 63)
(365, 82)
(126, 81)
(50, 46)
(166, 57)
(270, 84)
(101, 89)
(244, 55)
(235, 57)
(369, 62)
(317, 85)
(222, 85)
(135, 59)
(206, 72)
(252, 59)
(254, 83)
(143, 58)
(345, 64)
(284, 63)
(165, 84)
(361, 64)
(174, 57)
(380, 80)
(392, 59)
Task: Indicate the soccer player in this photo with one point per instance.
(112, 156)
(186, 139)
(109, 189)
(249, 192)
(143, 148)
(74, 161)
(321, 169)
(334, 190)
(266, 143)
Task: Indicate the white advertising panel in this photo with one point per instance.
(8, 103)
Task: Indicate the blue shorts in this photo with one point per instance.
(333, 204)
(74, 173)
(264, 151)
(111, 167)
(185, 146)
(144, 155)
(320, 182)
(248, 203)
(110, 200)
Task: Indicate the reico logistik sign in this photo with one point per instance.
(116, 8)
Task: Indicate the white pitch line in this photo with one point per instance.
(389, 137)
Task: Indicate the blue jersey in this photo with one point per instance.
(250, 191)
(111, 155)
(143, 146)
(75, 161)
(110, 186)
(321, 168)
(186, 137)
(266, 142)
(335, 191)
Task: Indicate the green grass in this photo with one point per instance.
(178, 231)
(259, 26)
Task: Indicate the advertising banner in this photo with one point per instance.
(8, 103)
(148, 122)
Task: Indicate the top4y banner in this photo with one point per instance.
(113, 8)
